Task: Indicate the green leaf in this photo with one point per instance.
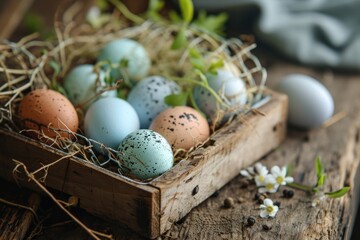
(174, 16)
(55, 66)
(180, 40)
(176, 99)
(194, 53)
(198, 63)
(339, 193)
(102, 4)
(153, 11)
(319, 172)
(212, 23)
(215, 65)
(321, 181)
(187, 10)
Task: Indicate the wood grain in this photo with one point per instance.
(208, 169)
(102, 193)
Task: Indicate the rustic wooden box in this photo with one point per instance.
(151, 208)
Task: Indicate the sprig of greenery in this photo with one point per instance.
(321, 179)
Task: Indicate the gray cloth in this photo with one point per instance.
(315, 32)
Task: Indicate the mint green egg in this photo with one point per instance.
(130, 56)
(83, 85)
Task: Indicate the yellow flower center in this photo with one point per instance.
(279, 179)
(269, 209)
(269, 186)
(261, 178)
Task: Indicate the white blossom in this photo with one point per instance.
(270, 184)
(261, 172)
(268, 209)
(280, 175)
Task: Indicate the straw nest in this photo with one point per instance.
(31, 64)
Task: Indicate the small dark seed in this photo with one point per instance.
(257, 196)
(229, 202)
(277, 203)
(250, 221)
(290, 194)
(266, 227)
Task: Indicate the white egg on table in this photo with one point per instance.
(147, 97)
(131, 56)
(310, 103)
(146, 154)
(83, 85)
(229, 87)
(109, 121)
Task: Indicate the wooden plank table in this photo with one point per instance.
(339, 147)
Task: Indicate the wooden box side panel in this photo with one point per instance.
(100, 192)
(233, 148)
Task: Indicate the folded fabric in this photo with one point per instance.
(314, 32)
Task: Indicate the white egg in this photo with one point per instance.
(147, 97)
(310, 103)
(83, 85)
(130, 55)
(230, 88)
(146, 154)
(109, 121)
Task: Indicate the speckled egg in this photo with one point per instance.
(108, 121)
(131, 55)
(146, 154)
(83, 85)
(147, 97)
(229, 87)
(182, 126)
(310, 103)
(43, 108)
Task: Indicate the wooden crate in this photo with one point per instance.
(151, 208)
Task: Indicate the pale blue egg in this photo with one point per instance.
(109, 121)
(230, 88)
(83, 85)
(146, 154)
(131, 56)
(310, 103)
(147, 97)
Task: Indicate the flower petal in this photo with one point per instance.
(245, 173)
(289, 179)
(283, 171)
(262, 206)
(275, 170)
(262, 190)
(268, 202)
(263, 213)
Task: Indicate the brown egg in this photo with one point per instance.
(183, 127)
(44, 108)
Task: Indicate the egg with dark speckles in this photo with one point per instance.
(44, 108)
(146, 154)
(182, 126)
(109, 121)
(147, 97)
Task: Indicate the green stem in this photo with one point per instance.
(301, 187)
(202, 84)
(124, 10)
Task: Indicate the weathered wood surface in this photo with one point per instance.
(229, 150)
(339, 147)
(100, 192)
